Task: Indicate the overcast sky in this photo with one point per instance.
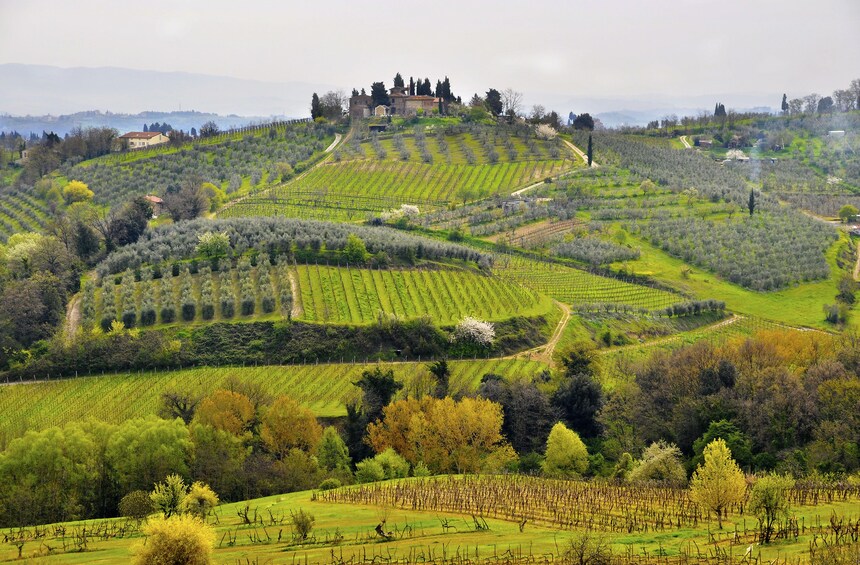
(594, 48)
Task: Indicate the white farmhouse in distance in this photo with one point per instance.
(138, 139)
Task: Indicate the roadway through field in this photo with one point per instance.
(685, 142)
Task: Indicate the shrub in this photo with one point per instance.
(136, 504)
(393, 465)
(303, 524)
(168, 496)
(180, 539)
(330, 484)
(199, 501)
(660, 463)
(369, 471)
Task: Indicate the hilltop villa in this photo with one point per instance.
(138, 139)
(402, 103)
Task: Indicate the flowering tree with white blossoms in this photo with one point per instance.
(472, 329)
(545, 131)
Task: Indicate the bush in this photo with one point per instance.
(181, 539)
(168, 496)
(189, 311)
(247, 307)
(136, 504)
(168, 315)
(303, 524)
(369, 471)
(199, 501)
(473, 330)
(330, 484)
(393, 465)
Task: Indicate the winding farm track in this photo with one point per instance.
(685, 142)
(544, 352)
(581, 153)
(73, 316)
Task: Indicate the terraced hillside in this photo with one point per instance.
(580, 288)
(238, 162)
(20, 212)
(429, 169)
(326, 294)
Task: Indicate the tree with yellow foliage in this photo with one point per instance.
(77, 191)
(226, 410)
(718, 483)
(287, 425)
(179, 539)
(447, 436)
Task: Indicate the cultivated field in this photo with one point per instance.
(324, 388)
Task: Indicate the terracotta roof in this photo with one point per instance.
(140, 135)
(153, 199)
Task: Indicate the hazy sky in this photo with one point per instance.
(598, 48)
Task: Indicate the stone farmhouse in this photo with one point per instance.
(402, 104)
(138, 139)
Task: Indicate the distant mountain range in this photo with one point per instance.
(40, 89)
(34, 98)
(122, 122)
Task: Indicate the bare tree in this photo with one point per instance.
(333, 104)
(795, 106)
(810, 103)
(844, 100)
(511, 101)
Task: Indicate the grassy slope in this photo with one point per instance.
(324, 388)
(356, 523)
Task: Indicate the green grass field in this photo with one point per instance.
(324, 388)
(327, 294)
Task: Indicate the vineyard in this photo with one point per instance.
(324, 388)
(325, 294)
(233, 163)
(368, 177)
(577, 287)
(20, 212)
(347, 295)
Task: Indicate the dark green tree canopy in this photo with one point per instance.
(494, 101)
(379, 94)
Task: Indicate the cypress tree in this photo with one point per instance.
(316, 109)
(751, 204)
(589, 150)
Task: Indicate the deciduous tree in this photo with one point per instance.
(287, 425)
(769, 502)
(718, 483)
(566, 455)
